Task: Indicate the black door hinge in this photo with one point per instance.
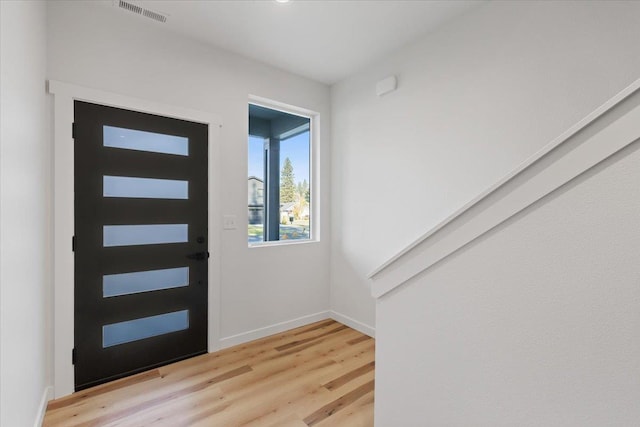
(73, 243)
(73, 356)
(73, 130)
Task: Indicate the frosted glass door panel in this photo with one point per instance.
(145, 188)
(144, 281)
(144, 141)
(146, 327)
(126, 235)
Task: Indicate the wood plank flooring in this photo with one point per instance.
(317, 375)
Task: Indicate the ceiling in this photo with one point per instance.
(323, 40)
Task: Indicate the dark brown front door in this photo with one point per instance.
(140, 241)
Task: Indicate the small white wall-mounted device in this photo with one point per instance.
(387, 85)
(229, 222)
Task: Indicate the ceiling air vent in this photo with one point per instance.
(156, 16)
(130, 7)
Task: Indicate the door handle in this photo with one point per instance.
(198, 256)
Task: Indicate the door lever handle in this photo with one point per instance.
(198, 256)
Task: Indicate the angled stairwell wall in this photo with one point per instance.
(522, 308)
(475, 99)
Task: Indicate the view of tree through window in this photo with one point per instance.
(279, 179)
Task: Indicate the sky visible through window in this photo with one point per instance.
(295, 148)
(256, 156)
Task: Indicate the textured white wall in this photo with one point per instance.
(24, 212)
(534, 324)
(111, 50)
(474, 100)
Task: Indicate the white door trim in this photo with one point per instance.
(63, 214)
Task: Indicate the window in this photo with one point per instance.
(279, 178)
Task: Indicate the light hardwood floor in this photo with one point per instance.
(317, 375)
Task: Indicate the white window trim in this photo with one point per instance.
(314, 168)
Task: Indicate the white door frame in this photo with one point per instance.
(63, 215)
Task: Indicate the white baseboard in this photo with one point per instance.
(272, 329)
(47, 394)
(353, 323)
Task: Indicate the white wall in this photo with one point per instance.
(111, 50)
(474, 99)
(534, 324)
(24, 212)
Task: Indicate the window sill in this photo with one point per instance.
(282, 243)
